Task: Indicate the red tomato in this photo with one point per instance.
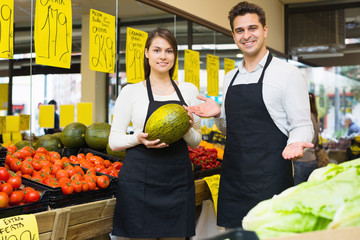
(4, 174)
(67, 188)
(55, 169)
(19, 155)
(28, 189)
(11, 149)
(15, 182)
(32, 196)
(77, 185)
(42, 150)
(37, 165)
(26, 151)
(27, 168)
(103, 181)
(91, 183)
(7, 188)
(73, 159)
(99, 168)
(15, 164)
(64, 180)
(85, 186)
(107, 163)
(16, 197)
(61, 174)
(4, 200)
(79, 170)
(76, 177)
(53, 155)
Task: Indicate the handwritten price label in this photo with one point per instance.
(192, 67)
(135, 47)
(213, 184)
(19, 227)
(6, 28)
(212, 68)
(102, 42)
(53, 33)
(229, 65)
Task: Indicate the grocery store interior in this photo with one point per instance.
(320, 37)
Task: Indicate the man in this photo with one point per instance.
(353, 129)
(266, 117)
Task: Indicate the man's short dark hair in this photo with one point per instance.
(243, 8)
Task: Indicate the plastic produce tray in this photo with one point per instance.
(58, 199)
(39, 206)
(101, 154)
(3, 152)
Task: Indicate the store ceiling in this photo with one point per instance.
(131, 9)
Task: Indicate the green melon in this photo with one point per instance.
(120, 153)
(21, 144)
(168, 123)
(73, 135)
(49, 142)
(97, 135)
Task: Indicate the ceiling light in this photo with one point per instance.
(239, 55)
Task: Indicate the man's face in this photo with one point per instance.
(249, 35)
(347, 123)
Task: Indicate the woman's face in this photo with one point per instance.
(161, 55)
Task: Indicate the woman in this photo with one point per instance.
(155, 192)
(303, 167)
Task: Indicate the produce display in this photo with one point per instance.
(168, 123)
(328, 200)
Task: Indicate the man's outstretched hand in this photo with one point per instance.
(209, 108)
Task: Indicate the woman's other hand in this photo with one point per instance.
(150, 144)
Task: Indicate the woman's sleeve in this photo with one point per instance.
(118, 139)
(193, 137)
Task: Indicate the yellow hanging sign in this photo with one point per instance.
(53, 33)
(102, 47)
(4, 89)
(67, 115)
(24, 122)
(135, 47)
(47, 116)
(84, 113)
(176, 69)
(213, 184)
(212, 68)
(2, 124)
(12, 123)
(229, 65)
(19, 227)
(192, 67)
(7, 29)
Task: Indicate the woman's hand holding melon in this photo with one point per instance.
(191, 121)
(150, 144)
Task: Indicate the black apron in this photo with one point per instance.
(253, 168)
(155, 195)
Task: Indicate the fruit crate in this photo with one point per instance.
(101, 154)
(58, 199)
(27, 208)
(3, 152)
(217, 137)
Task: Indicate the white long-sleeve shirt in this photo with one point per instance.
(285, 94)
(132, 106)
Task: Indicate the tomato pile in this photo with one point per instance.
(10, 192)
(50, 168)
(206, 157)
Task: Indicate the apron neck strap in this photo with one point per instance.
(150, 94)
(268, 60)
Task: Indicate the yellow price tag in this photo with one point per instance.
(4, 89)
(24, 122)
(2, 125)
(229, 65)
(53, 33)
(12, 123)
(102, 47)
(16, 137)
(7, 29)
(47, 116)
(6, 137)
(84, 113)
(135, 47)
(212, 68)
(213, 184)
(192, 67)
(67, 115)
(19, 227)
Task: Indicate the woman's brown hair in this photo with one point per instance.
(168, 36)
(313, 107)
